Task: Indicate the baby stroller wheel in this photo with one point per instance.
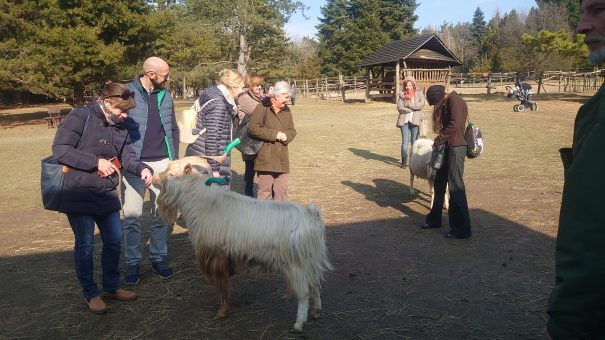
(515, 108)
(520, 108)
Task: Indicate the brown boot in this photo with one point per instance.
(97, 305)
(122, 295)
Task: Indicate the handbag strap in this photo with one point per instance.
(85, 126)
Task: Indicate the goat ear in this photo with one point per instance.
(188, 169)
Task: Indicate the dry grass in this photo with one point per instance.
(392, 280)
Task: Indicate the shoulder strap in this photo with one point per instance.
(85, 126)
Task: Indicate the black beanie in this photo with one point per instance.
(435, 93)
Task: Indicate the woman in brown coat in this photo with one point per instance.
(272, 123)
(449, 120)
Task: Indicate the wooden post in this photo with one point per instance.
(354, 84)
(489, 83)
(317, 88)
(367, 84)
(326, 84)
(448, 77)
(307, 88)
(396, 80)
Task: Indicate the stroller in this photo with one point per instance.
(522, 91)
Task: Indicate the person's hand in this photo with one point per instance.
(105, 167)
(282, 137)
(146, 176)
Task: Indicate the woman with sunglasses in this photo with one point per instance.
(93, 144)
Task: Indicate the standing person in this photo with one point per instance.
(216, 117)
(272, 123)
(246, 103)
(576, 308)
(293, 93)
(449, 120)
(88, 143)
(155, 138)
(409, 105)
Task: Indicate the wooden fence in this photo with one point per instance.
(337, 88)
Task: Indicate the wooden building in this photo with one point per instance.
(424, 57)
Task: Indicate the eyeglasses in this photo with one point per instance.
(162, 75)
(124, 95)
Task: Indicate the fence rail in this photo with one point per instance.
(337, 88)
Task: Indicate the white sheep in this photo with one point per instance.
(420, 167)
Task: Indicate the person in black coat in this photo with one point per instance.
(93, 144)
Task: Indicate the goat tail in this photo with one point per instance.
(321, 256)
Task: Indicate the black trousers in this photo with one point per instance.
(452, 173)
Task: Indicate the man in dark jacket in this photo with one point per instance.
(576, 307)
(155, 139)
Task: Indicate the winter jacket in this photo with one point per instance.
(84, 191)
(246, 103)
(264, 125)
(577, 303)
(454, 114)
(413, 108)
(136, 123)
(216, 118)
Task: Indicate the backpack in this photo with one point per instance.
(187, 124)
(474, 140)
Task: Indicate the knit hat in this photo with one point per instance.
(409, 78)
(435, 93)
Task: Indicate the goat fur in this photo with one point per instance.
(420, 167)
(228, 229)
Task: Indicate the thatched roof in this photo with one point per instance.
(423, 48)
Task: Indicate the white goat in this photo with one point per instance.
(228, 229)
(419, 165)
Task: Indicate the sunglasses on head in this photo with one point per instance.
(124, 95)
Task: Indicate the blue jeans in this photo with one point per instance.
(133, 193)
(83, 227)
(409, 134)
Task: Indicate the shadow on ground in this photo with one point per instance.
(392, 280)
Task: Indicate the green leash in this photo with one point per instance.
(161, 95)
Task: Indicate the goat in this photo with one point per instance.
(228, 230)
(419, 165)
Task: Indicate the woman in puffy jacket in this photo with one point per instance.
(409, 104)
(92, 144)
(218, 111)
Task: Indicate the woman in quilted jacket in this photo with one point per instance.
(409, 104)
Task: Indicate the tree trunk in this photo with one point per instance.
(78, 93)
(242, 61)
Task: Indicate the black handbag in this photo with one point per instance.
(51, 178)
(248, 145)
(437, 157)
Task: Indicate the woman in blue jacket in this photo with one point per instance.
(92, 144)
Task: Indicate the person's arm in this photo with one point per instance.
(401, 105)
(289, 131)
(213, 121)
(456, 113)
(68, 135)
(176, 134)
(257, 128)
(418, 101)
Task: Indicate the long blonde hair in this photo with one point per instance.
(230, 78)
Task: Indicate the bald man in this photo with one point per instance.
(155, 138)
(576, 308)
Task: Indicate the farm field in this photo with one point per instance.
(391, 279)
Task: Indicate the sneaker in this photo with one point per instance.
(162, 269)
(132, 275)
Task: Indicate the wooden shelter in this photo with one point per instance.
(424, 57)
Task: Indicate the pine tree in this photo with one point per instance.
(478, 26)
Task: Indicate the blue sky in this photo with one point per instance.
(430, 12)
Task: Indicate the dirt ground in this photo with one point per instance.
(391, 278)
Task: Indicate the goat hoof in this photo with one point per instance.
(316, 314)
(221, 314)
(296, 329)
